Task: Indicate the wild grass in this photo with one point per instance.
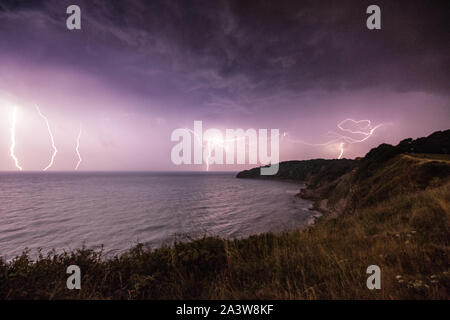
(407, 236)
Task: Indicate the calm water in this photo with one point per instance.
(67, 210)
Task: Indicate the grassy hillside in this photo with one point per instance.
(391, 209)
(343, 186)
(401, 175)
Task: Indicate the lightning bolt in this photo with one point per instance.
(208, 146)
(341, 147)
(369, 130)
(77, 149)
(13, 139)
(364, 128)
(367, 134)
(55, 151)
(213, 142)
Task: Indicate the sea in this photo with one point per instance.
(116, 211)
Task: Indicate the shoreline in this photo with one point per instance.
(389, 209)
(258, 266)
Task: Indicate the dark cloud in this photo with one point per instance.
(213, 51)
(139, 69)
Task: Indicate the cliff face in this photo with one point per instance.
(396, 177)
(343, 186)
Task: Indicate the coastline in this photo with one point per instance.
(318, 204)
(326, 260)
(390, 209)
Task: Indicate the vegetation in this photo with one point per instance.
(390, 209)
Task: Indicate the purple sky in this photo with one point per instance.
(137, 70)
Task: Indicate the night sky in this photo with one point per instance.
(137, 70)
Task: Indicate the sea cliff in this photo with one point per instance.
(344, 186)
(390, 209)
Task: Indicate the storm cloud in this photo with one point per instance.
(229, 60)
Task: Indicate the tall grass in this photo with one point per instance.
(407, 236)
